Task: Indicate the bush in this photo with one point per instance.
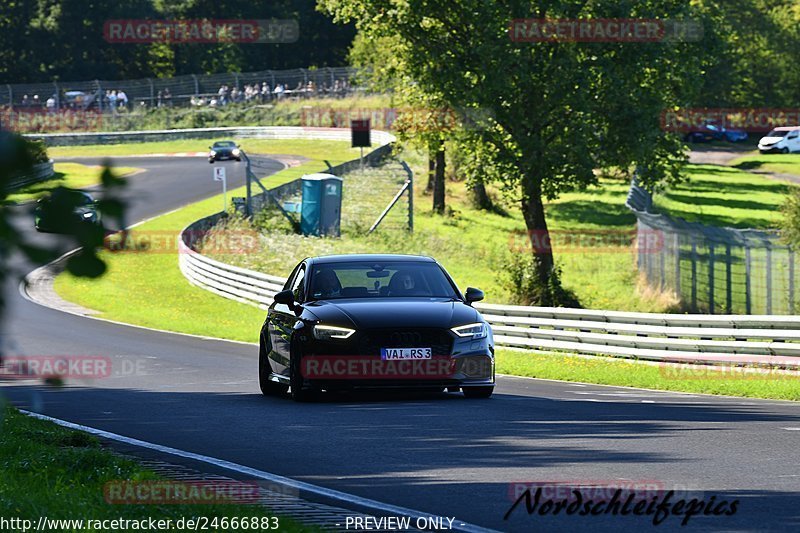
(527, 289)
(790, 225)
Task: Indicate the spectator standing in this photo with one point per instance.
(167, 97)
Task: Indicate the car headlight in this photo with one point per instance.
(478, 330)
(212, 153)
(236, 152)
(326, 333)
(88, 215)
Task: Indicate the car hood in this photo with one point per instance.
(393, 312)
(770, 140)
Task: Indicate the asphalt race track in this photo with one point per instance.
(440, 454)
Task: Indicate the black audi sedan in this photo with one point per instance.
(346, 322)
(49, 215)
(222, 150)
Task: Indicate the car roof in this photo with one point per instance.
(382, 258)
(786, 128)
(224, 142)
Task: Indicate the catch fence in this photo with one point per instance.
(711, 269)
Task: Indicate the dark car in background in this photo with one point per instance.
(714, 131)
(374, 321)
(49, 216)
(224, 150)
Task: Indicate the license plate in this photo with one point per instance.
(391, 354)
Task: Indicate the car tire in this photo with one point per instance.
(268, 388)
(296, 389)
(477, 392)
(784, 150)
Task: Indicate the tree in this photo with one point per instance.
(559, 110)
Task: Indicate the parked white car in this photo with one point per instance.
(782, 140)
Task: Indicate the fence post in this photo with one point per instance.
(663, 266)
(728, 281)
(791, 281)
(410, 197)
(769, 278)
(272, 79)
(196, 85)
(748, 309)
(58, 95)
(236, 79)
(711, 277)
(10, 96)
(99, 95)
(152, 92)
(677, 264)
(694, 274)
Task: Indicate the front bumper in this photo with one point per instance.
(357, 364)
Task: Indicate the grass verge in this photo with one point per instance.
(72, 175)
(776, 163)
(57, 473)
(727, 381)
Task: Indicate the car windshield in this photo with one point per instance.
(777, 133)
(225, 144)
(369, 279)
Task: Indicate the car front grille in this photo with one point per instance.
(371, 341)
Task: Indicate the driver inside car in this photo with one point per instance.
(326, 285)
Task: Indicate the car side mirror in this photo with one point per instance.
(473, 295)
(285, 297)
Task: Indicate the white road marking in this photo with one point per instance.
(342, 497)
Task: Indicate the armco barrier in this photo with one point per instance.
(707, 339)
(255, 132)
(40, 172)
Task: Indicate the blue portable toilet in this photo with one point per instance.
(321, 209)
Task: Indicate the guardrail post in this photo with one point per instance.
(728, 280)
(769, 279)
(694, 274)
(711, 278)
(747, 283)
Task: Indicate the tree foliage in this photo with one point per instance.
(559, 111)
(41, 40)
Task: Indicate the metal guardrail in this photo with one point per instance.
(252, 132)
(40, 172)
(706, 339)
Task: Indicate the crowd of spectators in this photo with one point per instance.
(116, 100)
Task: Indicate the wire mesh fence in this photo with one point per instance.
(367, 194)
(104, 95)
(714, 270)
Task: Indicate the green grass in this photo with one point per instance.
(721, 196)
(776, 163)
(72, 175)
(605, 371)
(319, 150)
(148, 289)
(59, 473)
